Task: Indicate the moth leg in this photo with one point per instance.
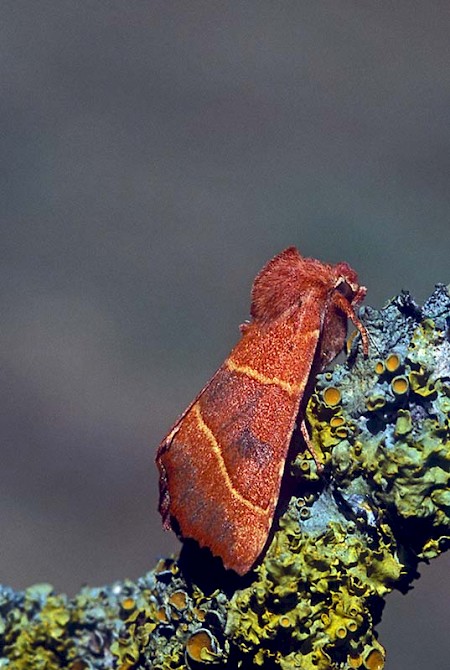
(309, 446)
(345, 306)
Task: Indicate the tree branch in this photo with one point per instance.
(343, 540)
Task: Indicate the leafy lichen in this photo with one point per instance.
(344, 538)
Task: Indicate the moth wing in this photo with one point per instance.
(169, 440)
(222, 463)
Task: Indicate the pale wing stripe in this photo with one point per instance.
(216, 449)
(291, 389)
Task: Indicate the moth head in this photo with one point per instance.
(348, 285)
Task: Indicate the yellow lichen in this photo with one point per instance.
(379, 367)
(202, 647)
(331, 396)
(392, 362)
(375, 402)
(400, 385)
(374, 660)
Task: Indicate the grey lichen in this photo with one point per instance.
(343, 539)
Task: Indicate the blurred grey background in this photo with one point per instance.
(153, 156)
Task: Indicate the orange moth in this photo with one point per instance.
(222, 463)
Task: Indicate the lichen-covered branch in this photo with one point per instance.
(344, 538)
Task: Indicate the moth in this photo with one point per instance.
(222, 463)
